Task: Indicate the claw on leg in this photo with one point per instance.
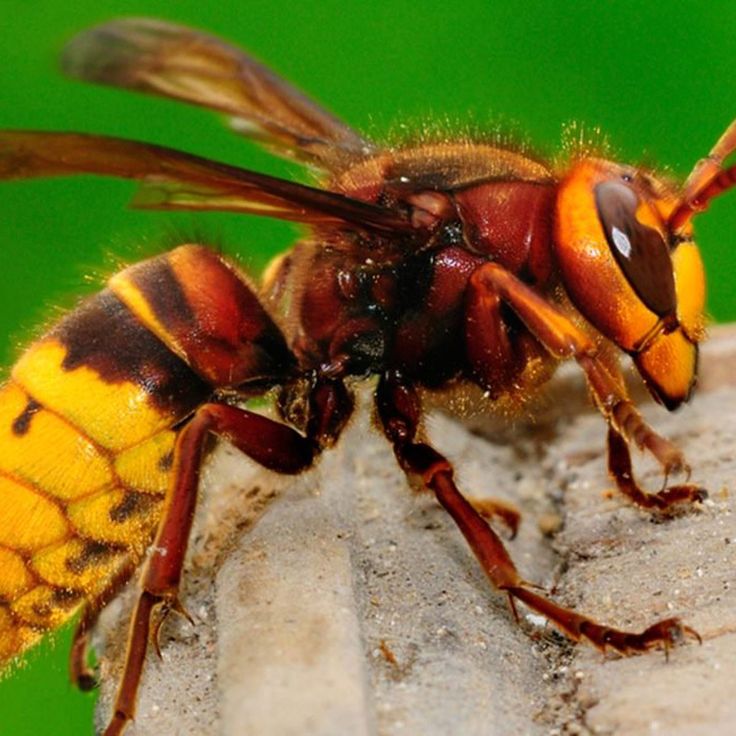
(620, 468)
(665, 633)
(162, 615)
(512, 606)
(168, 606)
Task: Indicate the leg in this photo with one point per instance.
(619, 466)
(80, 672)
(274, 445)
(563, 339)
(399, 410)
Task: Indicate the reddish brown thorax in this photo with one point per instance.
(403, 302)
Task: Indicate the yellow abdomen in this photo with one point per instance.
(85, 454)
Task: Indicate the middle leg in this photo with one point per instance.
(400, 411)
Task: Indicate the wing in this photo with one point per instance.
(180, 181)
(174, 61)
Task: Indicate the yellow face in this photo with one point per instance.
(636, 282)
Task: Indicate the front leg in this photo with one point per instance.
(399, 410)
(564, 340)
(619, 466)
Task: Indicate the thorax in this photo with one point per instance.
(380, 303)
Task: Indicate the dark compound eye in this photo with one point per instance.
(640, 251)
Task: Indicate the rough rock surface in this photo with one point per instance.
(353, 606)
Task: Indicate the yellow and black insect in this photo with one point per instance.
(429, 265)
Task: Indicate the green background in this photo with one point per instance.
(655, 77)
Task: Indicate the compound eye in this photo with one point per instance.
(639, 250)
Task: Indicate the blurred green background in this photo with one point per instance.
(655, 77)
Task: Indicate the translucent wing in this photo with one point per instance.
(175, 180)
(174, 61)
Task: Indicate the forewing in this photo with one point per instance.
(174, 61)
(175, 180)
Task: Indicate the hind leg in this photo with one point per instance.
(272, 444)
(80, 673)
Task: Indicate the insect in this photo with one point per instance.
(428, 265)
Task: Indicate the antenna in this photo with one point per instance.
(706, 181)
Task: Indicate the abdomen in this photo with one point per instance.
(85, 451)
